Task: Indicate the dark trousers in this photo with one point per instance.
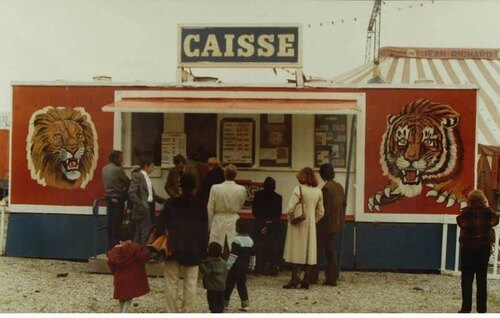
(238, 277)
(327, 243)
(115, 219)
(215, 300)
(267, 248)
(474, 261)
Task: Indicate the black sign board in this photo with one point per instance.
(239, 46)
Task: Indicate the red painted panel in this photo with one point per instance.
(382, 102)
(4, 154)
(28, 99)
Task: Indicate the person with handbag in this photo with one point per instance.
(185, 220)
(267, 208)
(305, 208)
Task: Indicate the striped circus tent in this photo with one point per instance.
(442, 66)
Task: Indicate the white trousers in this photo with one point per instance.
(173, 271)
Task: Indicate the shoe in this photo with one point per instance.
(327, 283)
(462, 311)
(245, 305)
(291, 285)
(304, 285)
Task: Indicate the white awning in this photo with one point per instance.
(443, 66)
(253, 106)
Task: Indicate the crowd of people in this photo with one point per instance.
(203, 232)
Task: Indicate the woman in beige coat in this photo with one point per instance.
(300, 243)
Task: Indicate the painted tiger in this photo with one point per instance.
(421, 146)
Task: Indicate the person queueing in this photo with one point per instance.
(185, 219)
(214, 270)
(267, 209)
(241, 259)
(215, 175)
(329, 226)
(127, 264)
(476, 222)
(300, 242)
(116, 184)
(224, 202)
(143, 198)
(174, 175)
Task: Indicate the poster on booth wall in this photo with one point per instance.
(419, 150)
(238, 141)
(61, 141)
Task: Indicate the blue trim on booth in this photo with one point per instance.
(398, 246)
(59, 236)
(380, 246)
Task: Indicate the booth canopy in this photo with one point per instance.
(230, 105)
(443, 66)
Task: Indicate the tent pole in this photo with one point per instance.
(346, 191)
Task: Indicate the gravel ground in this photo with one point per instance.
(33, 285)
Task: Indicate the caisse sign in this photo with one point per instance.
(237, 46)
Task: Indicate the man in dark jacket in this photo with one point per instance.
(186, 220)
(267, 209)
(116, 185)
(329, 226)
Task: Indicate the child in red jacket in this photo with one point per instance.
(127, 263)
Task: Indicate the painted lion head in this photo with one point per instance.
(62, 147)
(420, 145)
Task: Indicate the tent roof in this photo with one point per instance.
(442, 66)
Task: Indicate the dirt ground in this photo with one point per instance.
(40, 286)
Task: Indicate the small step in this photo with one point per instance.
(99, 264)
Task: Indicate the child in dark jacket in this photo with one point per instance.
(127, 263)
(241, 259)
(214, 270)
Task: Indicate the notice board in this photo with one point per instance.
(238, 141)
(330, 140)
(275, 140)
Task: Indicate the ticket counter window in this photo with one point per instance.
(146, 136)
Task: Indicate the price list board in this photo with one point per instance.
(238, 141)
(330, 140)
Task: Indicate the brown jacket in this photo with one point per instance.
(333, 201)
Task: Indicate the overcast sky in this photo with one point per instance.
(47, 40)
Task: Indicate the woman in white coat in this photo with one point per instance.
(300, 243)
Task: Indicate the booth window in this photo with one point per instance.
(146, 136)
(201, 136)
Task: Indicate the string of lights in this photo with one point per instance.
(341, 21)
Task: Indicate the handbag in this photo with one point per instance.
(158, 244)
(296, 217)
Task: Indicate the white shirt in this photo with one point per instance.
(150, 186)
(226, 197)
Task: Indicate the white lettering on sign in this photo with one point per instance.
(187, 45)
(266, 45)
(286, 44)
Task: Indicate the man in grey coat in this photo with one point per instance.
(142, 195)
(116, 184)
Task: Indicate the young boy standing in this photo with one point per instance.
(214, 270)
(241, 259)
